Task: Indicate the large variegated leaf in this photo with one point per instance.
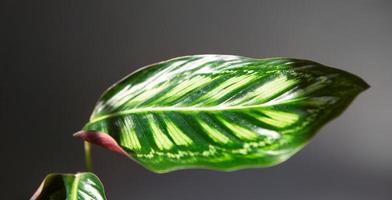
(80, 186)
(218, 111)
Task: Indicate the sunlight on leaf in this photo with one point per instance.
(219, 111)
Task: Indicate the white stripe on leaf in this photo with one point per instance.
(161, 140)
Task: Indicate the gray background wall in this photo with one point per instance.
(58, 56)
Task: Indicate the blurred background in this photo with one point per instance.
(57, 57)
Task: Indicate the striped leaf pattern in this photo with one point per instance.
(219, 111)
(80, 186)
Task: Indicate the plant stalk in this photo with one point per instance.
(87, 156)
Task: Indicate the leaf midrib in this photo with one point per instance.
(185, 109)
(74, 190)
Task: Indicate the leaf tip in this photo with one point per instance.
(364, 85)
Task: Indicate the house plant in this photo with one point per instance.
(218, 112)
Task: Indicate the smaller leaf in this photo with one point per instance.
(86, 186)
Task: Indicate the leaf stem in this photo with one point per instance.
(87, 156)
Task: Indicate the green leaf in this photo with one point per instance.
(218, 111)
(78, 186)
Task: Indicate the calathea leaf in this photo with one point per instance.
(78, 186)
(219, 112)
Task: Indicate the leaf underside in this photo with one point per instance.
(219, 111)
(71, 187)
